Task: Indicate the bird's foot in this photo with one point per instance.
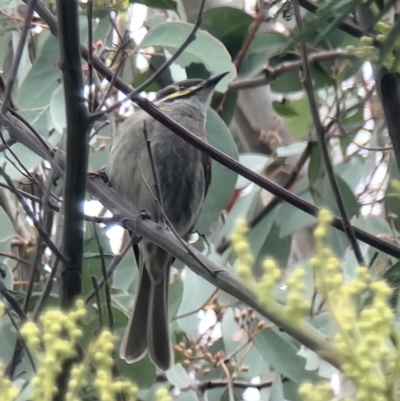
(144, 215)
(102, 175)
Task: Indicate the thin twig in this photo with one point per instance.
(346, 26)
(158, 199)
(191, 37)
(46, 291)
(33, 198)
(18, 54)
(270, 74)
(19, 346)
(104, 273)
(96, 290)
(275, 201)
(111, 268)
(320, 131)
(9, 142)
(28, 211)
(215, 383)
(33, 271)
(102, 101)
(240, 56)
(12, 301)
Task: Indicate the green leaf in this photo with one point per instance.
(6, 231)
(290, 218)
(177, 376)
(273, 247)
(162, 4)
(42, 79)
(92, 261)
(285, 108)
(277, 389)
(300, 125)
(126, 274)
(204, 49)
(263, 46)
(316, 168)
(8, 279)
(278, 350)
(196, 292)
(222, 180)
(259, 235)
(235, 338)
(187, 396)
(229, 25)
(142, 373)
(244, 208)
(295, 148)
(291, 81)
(351, 205)
(8, 336)
(25, 64)
(253, 161)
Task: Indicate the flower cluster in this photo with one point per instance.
(362, 333)
(245, 258)
(53, 341)
(296, 305)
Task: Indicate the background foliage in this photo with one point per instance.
(260, 117)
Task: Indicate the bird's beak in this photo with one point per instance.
(212, 82)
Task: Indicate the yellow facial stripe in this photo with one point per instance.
(181, 93)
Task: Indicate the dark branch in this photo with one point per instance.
(346, 26)
(18, 55)
(77, 149)
(320, 131)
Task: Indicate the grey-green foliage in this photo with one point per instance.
(40, 97)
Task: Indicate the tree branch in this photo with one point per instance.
(320, 131)
(76, 150)
(346, 26)
(270, 74)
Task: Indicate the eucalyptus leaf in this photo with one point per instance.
(278, 350)
(284, 108)
(6, 231)
(177, 376)
(205, 49)
(196, 292)
(262, 47)
(255, 162)
(292, 149)
(222, 179)
(229, 25)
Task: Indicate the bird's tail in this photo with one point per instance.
(148, 326)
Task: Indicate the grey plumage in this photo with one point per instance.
(184, 176)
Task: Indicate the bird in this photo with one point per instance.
(182, 175)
